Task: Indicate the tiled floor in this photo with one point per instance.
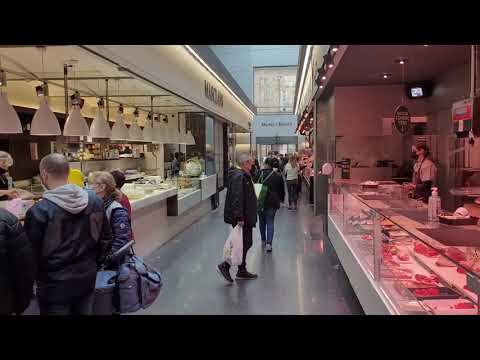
(298, 277)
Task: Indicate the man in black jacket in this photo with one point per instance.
(71, 237)
(16, 266)
(240, 208)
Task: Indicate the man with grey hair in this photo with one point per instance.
(70, 236)
(240, 208)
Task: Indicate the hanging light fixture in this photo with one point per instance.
(119, 129)
(172, 131)
(158, 131)
(148, 129)
(9, 120)
(335, 48)
(190, 138)
(100, 127)
(182, 136)
(44, 121)
(76, 124)
(135, 133)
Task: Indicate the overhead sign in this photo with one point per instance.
(213, 94)
(402, 119)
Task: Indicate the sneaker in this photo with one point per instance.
(269, 247)
(245, 275)
(225, 273)
(263, 243)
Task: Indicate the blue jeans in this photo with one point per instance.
(267, 219)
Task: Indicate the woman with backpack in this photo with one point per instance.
(104, 185)
(291, 175)
(268, 205)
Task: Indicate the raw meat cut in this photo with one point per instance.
(426, 280)
(455, 254)
(402, 256)
(464, 305)
(423, 249)
(461, 271)
(367, 237)
(444, 262)
(426, 292)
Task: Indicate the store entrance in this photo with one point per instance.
(264, 150)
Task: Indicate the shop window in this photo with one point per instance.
(274, 89)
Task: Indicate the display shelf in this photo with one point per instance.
(148, 200)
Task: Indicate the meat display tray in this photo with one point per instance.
(457, 222)
(453, 236)
(445, 293)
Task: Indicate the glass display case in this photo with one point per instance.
(417, 266)
(186, 185)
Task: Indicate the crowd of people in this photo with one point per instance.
(65, 239)
(242, 205)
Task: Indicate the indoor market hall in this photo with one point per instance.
(301, 276)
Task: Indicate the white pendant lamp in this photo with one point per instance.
(158, 131)
(173, 134)
(100, 127)
(147, 129)
(135, 133)
(190, 138)
(44, 121)
(119, 130)
(76, 124)
(9, 120)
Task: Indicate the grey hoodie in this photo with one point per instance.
(70, 197)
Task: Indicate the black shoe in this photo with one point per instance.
(245, 275)
(269, 247)
(222, 270)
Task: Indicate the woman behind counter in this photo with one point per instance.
(424, 173)
(6, 161)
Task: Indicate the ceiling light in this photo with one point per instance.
(159, 131)
(172, 131)
(76, 124)
(306, 59)
(44, 121)
(147, 129)
(100, 127)
(119, 129)
(401, 61)
(9, 120)
(335, 48)
(135, 133)
(321, 86)
(190, 138)
(386, 76)
(324, 77)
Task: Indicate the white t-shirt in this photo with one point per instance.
(291, 172)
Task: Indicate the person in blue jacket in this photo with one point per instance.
(104, 185)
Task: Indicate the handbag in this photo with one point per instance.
(138, 285)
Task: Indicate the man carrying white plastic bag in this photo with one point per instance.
(233, 249)
(240, 212)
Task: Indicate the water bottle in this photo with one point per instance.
(433, 205)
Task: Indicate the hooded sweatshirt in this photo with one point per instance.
(70, 197)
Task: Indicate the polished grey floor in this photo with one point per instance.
(300, 276)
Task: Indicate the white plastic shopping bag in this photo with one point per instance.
(233, 249)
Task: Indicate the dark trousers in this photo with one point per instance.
(267, 224)
(247, 244)
(292, 187)
(74, 305)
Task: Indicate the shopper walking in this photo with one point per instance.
(275, 196)
(16, 260)
(70, 238)
(291, 176)
(103, 184)
(240, 208)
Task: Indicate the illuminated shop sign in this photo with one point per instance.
(213, 94)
